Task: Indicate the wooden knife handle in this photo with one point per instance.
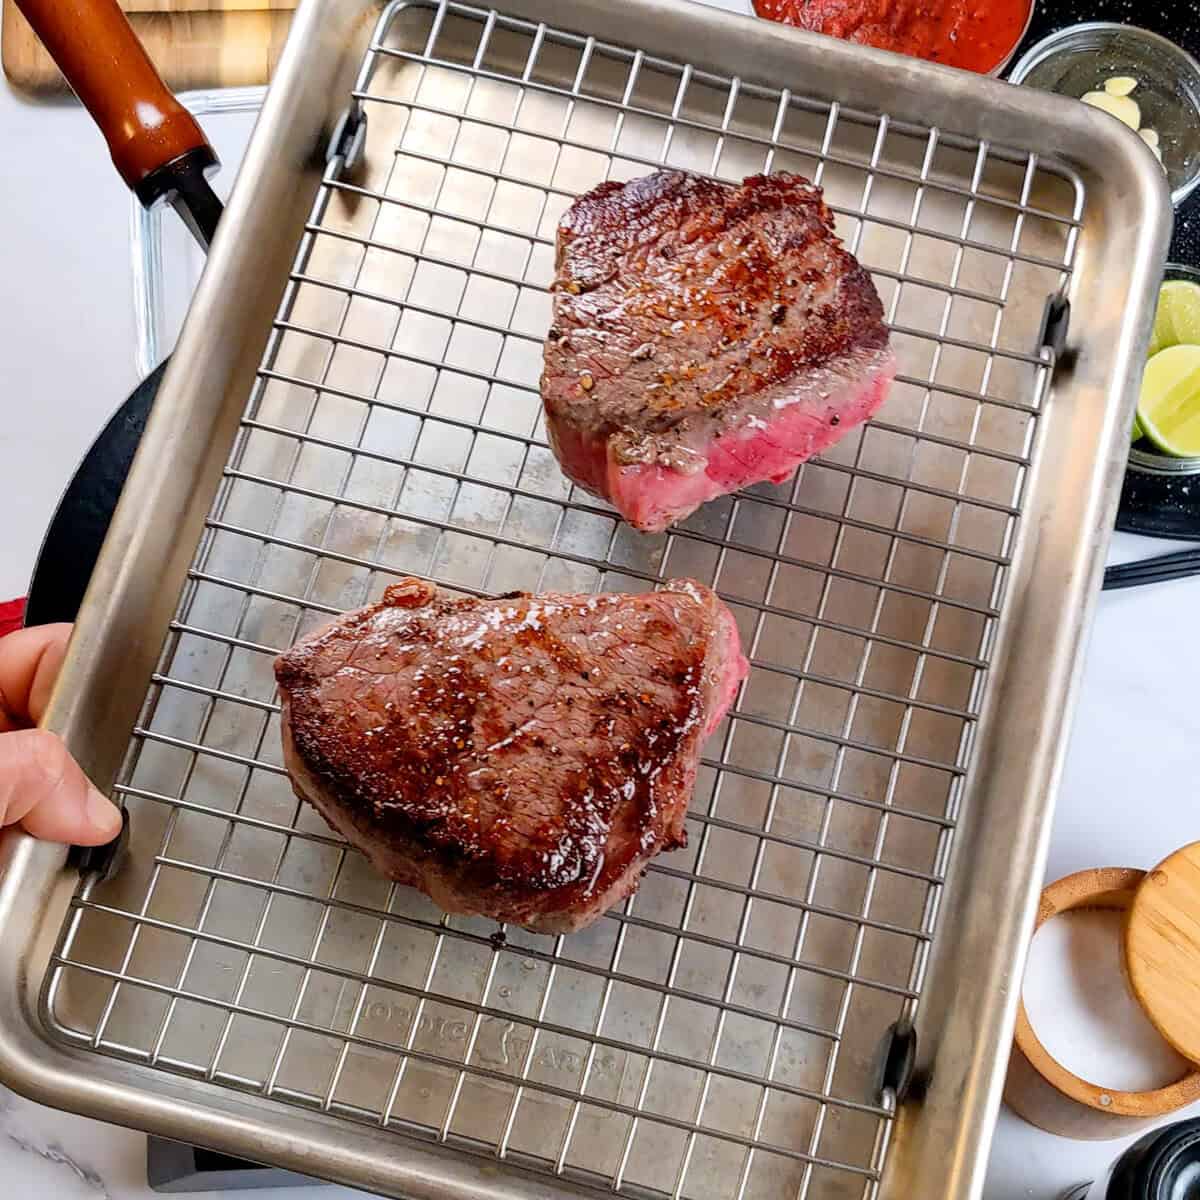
(97, 50)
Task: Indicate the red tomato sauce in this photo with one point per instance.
(976, 35)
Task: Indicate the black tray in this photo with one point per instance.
(1154, 505)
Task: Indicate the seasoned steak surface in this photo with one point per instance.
(688, 311)
(522, 757)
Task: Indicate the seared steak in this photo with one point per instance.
(521, 758)
(705, 337)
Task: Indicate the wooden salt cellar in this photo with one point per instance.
(1162, 957)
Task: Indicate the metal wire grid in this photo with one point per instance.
(714, 1035)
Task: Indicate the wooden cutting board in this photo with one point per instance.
(194, 43)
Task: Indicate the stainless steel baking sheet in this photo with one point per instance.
(911, 603)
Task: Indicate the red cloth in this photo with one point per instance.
(12, 616)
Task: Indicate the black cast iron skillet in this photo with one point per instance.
(162, 154)
(72, 543)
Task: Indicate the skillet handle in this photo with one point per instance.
(146, 128)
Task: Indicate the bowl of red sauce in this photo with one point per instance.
(974, 35)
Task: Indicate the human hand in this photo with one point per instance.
(42, 788)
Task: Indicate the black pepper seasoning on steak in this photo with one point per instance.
(704, 336)
(522, 758)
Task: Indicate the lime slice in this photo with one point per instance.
(1138, 432)
(1169, 407)
(1177, 321)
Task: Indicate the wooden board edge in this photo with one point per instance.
(238, 48)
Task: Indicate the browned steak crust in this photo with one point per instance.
(680, 298)
(522, 757)
(706, 337)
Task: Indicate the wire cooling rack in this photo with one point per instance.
(713, 1036)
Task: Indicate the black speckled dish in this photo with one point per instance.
(1158, 505)
(1156, 500)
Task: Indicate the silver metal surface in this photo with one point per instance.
(1153, 463)
(913, 604)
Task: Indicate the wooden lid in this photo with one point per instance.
(1162, 949)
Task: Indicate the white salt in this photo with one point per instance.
(1083, 1012)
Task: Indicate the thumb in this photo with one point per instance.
(43, 789)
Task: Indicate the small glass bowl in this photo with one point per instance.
(1079, 59)
(1142, 455)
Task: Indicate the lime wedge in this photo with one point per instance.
(1177, 321)
(1169, 407)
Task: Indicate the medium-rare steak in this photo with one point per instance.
(705, 337)
(521, 758)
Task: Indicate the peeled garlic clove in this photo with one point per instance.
(1120, 85)
(1150, 137)
(1121, 107)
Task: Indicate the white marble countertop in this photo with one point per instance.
(66, 315)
